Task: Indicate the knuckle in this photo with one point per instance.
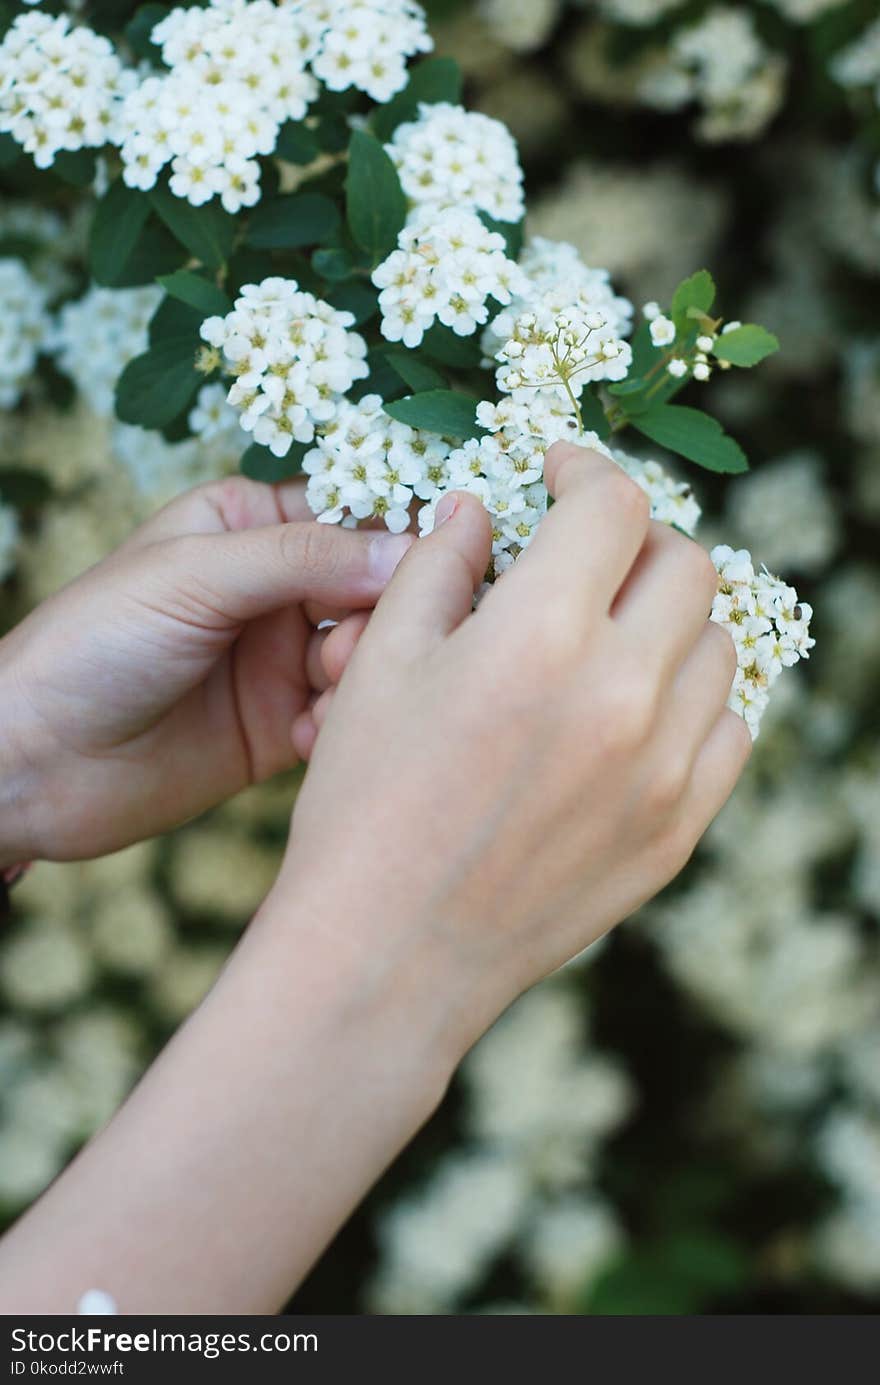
(666, 788)
(626, 497)
(625, 714)
(308, 549)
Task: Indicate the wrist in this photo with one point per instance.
(375, 981)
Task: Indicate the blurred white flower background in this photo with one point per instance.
(687, 1118)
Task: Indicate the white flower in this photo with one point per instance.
(677, 368)
(97, 335)
(365, 43)
(61, 87)
(24, 328)
(367, 465)
(662, 331)
(560, 352)
(769, 625)
(293, 358)
(450, 157)
(236, 72)
(446, 268)
(554, 281)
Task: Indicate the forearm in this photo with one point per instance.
(248, 1143)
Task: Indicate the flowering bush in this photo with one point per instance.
(710, 1143)
(403, 224)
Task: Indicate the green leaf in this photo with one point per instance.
(10, 151)
(155, 252)
(692, 434)
(414, 372)
(333, 264)
(746, 345)
(297, 144)
(291, 222)
(513, 233)
(593, 415)
(696, 292)
(382, 379)
(331, 133)
(119, 218)
(375, 204)
(197, 292)
(360, 300)
(157, 386)
(175, 320)
(435, 79)
(207, 232)
(140, 26)
(447, 347)
(446, 412)
(76, 167)
(24, 488)
(262, 465)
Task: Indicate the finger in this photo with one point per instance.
(321, 709)
(587, 543)
(303, 734)
(339, 645)
(316, 673)
(433, 591)
(700, 689)
(665, 602)
(230, 578)
(229, 505)
(719, 765)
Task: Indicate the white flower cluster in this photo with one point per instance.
(61, 87)
(722, 63)
(560, 352)
(364, 43)
(24, 328)
(451, 157)
(8, 539)
(367, 465)
(769, 625)
(446, 268)
(858, 65)
(237, 71)
(97, 335)
(520, 25)
(805, 11)
(787, 512)
(638, 12)
(293, 358)
(554, 282)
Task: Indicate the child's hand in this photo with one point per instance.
(491, 792)
(169, 676)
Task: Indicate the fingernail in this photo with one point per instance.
(386, 551)
(445, 510)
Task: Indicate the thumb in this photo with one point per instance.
(434, 590)
(251, 572)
